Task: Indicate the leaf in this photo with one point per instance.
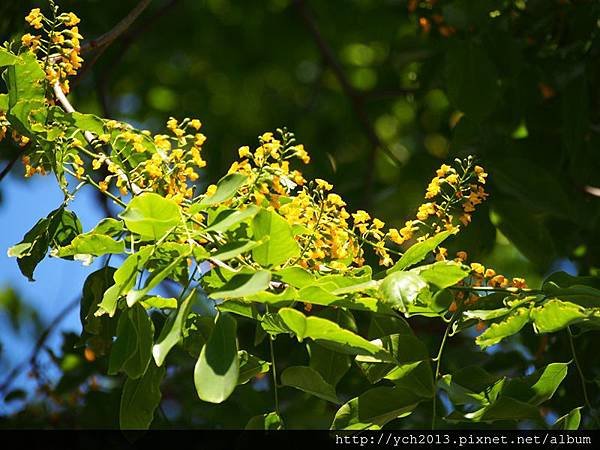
(309, 380)
(217, 370)
(132, 350)
(124, 278)
(505, 408)
(555, 315)
(243, 285)
(376, 407)
(93, 290)
(140, 398)
(281, 244)
(226, 189)
(569, 421)
(417, 252)
(327, 333)
(156, 278)
(250, 366)
(229, 218)
(400, 289)
(7, 58)
(548, 382)
(329, 364)
(91, 244)
(270, 421)
(442, 274)
(151, 216)
(159, 302)
(109, 226)
(59, 228)
(512, 324)
(234, 249)
(172, 331)
(86, 122)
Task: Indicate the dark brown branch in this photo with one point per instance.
(357, 99)
(9, 166)
(107, 38)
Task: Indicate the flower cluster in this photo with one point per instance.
(164, 163)
(452, 196)
(480, 276)
(58, 42)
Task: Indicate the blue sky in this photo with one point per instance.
(58, 281)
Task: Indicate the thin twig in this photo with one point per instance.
(32, 358)
(107, 38)
(357, 99)
(9, 166)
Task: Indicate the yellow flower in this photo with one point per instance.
(443, 170)
(478, 268)
(103, 186)
(210, 190)
(96, 163)
(361, 216)
(162, 142)
(34, 18)
(452, 179)
(322, 184)
(71, 20)
(481, 175)
(172, 124)
(196, 124)
(378, 224)
(461, 256)
(244, 151)
(335, 200)
(301, 153)
(425, 210)
(433, 189)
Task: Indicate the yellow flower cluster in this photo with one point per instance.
(453, 189)
(59, 43)
(163, 163)
(480, 276)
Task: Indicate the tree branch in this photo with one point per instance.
(107, 38)
(39, 345)
(357, 99)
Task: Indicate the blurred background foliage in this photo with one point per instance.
(381, 92)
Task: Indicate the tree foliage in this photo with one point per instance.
(277, 285)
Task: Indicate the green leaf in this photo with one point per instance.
(309, 380)
(140, 399)
(93, 290)
(295, 276)
(548, 382)
(555, 315)
(226, 189)
(229, 218)
(59, 228)
(400, 289)
(442, 274)
(243, 285)
(109, 226)
(512, 324)
(270, 421)
(376, 407)
(234, 249)
(86, 122)
(159, 302)
(281, 244)
(327, 333)
(172, 331)
(250, 366)
(151, 216)
(217, 370)
(132, 350)
(91, 244)
(569, 421)
(7, 58)
(505, 408)
(471, 385)
(124, 278)
(156, 278)
(417, 252)
(329, 364)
